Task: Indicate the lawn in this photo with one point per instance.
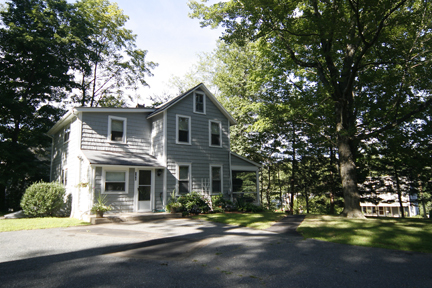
(259, 221)
(409, 234)
(38, 223)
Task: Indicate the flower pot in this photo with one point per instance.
(99, 214)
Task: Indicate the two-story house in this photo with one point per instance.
(138, 156)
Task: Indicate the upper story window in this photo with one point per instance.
(215, 132)
(115, 181)
(199, 103)
(117, 129)
(66, 134)
(183, 178)
(183, 130)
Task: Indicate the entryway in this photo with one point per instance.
(145, 188)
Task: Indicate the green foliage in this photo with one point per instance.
(41, 43)
(101, 205)
(193, 203)
(43, 199)
(220, 203)
(118, 67)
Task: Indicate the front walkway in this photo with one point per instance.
(137, 216)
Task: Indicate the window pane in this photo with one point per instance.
(183, 124)
(216, 186)
(215, 128)
(115, 186)
(184, 173)
(144, 193)
(183, 187)
(183, 136)
(199, 103)
(115, 176)
(144, 177)
(117, 125)
(216, 173)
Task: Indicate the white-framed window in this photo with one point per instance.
(183, 178)
(115, 180)
(64, 176)
(117, 129)
(183, 127)
(199, 103)
(66, 134)
(216, 180)
(215, 133)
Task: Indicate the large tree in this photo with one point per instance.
(118, 67)
(41, 42)
(369, 60)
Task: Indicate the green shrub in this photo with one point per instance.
(43, 199)
(193, 203)
(220, 202)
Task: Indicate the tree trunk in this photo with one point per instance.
(268, 188)
(399, 192)
(349, 179)
(332, 205)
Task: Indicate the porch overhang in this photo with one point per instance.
(121, 159)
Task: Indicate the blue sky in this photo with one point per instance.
(172, 39)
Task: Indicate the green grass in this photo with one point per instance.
(38, 223)
(409, 234)
(258, 221)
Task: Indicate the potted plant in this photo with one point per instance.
(176, 207)
(100, 207)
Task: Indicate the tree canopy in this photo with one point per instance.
(367, 61)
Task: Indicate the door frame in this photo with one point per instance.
(152, 189)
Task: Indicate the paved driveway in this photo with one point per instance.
(193, 253)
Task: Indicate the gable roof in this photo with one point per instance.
(209, 95)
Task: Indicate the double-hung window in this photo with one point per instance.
(216, 179)
(215, 133)
(115, 181)
(183, 175)
(183, 130)
(117, 129)
(199, 103)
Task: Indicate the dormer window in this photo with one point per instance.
(116, 129)
(199, 103)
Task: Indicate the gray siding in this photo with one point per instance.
(236, 161)
(199, 154)
(120, 202)
(159, 191)
(95, 133)
(60, 152)
(157, 136)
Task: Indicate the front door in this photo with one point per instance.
(144, 190)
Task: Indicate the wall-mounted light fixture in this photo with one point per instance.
(159, 172)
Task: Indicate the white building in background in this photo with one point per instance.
(381, 198)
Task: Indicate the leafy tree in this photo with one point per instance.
(41, 42)
(117, 65)
(368, 61)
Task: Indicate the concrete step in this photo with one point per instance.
(138, 217)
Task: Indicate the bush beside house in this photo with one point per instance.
(43, 199)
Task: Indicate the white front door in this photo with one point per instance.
(144, 190)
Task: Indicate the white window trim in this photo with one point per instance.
(177, 129)
(220, 133)
(110, 118)
(115, 169)
(178, 177)
(211, 180)
(204, 102)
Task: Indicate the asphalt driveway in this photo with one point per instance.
(194, 253)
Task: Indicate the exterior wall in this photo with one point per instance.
(95, 132)
(159, 191)
(157, 137)
(120, 203)
(236, 161)
(199, 154)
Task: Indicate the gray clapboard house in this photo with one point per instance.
(138, 156)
